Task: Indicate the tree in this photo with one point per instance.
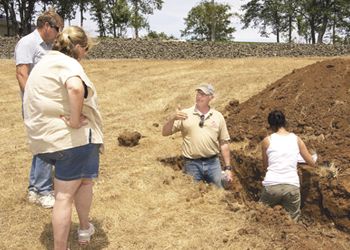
(83, 6)
(159, 36)
(341, 21)
(266, 14)
(5, 10)
(65, 8)
(289, 8)
(25, 9)
(209, 20)
(99, 12)
(119, 15)
(141, 8)
(317, 17)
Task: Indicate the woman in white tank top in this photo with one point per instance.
(280, 153)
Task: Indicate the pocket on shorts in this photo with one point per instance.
(294, 192)
(53, 157)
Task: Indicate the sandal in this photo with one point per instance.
(85, 235)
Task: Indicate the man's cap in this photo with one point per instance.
(207, 89)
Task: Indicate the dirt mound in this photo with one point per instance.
(316, 102)
(129, 139)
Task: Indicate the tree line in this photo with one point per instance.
(310, 19)
(314, 21)
(113, 17)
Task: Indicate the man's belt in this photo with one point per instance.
(201, 158)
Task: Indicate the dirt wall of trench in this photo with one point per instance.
(315, 100)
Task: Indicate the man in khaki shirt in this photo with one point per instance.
(205, 135)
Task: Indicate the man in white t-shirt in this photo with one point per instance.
(28, 52)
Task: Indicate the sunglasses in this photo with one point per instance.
(201, 122)
(56, 28)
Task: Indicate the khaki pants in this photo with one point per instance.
(285, 195)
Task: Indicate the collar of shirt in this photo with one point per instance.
(41, 41)
(197, 112)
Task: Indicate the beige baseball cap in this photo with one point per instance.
(207, 89)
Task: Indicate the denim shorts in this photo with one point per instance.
(75, 163)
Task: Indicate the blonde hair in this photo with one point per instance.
(69, 38)
(51, 17)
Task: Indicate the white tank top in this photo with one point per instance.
(282, 156)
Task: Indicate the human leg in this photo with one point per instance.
(40, 178)
(62, 211)
(40, 183)
(213, 171)
(291, 201)
(76, 167)
(193, 168)
(271, 195)
(82, 201)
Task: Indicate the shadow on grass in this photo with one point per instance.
(98, 241)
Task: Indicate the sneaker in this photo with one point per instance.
(85, 235)
(47, 200)
(33, 197)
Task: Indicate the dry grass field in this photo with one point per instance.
(138, 202)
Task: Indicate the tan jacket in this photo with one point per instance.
(46, 99)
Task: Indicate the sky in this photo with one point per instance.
(170, 20)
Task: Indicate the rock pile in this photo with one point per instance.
(155, 49)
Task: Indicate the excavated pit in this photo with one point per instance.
(315, 100)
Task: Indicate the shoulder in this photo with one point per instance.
(66, 61)
(25, 43)
(266, 142)
(295, 136)
(189, 110)
(31, 40)
(216, 113)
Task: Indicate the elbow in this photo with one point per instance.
(75, 126)
(164, 133)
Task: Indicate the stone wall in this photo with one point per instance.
(154, 49)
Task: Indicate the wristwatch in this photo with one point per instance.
(227, 168)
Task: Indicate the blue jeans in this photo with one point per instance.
(40, 178)
(208, 170)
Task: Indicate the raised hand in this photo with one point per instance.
(179, 115)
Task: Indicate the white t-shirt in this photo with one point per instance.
(30, 49)
(282, 156)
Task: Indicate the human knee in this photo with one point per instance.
(63, 197)
(87, 182)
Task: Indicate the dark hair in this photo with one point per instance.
(276, 120)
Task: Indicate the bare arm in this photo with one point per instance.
(225, 152)
(226, 156)
(305, 153)
(22, 73)
(75, 90)
(264, 145)
(168, 126)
